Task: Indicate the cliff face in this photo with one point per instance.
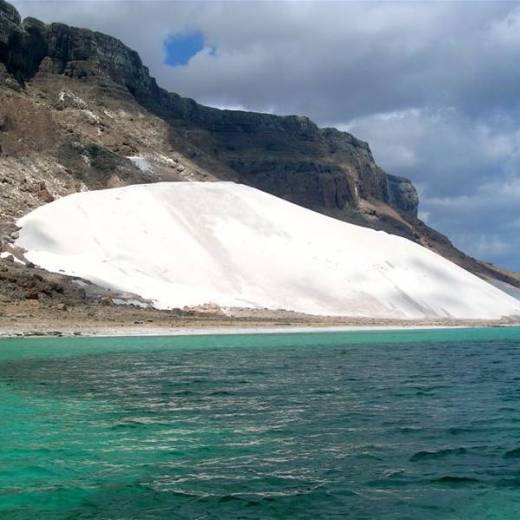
(80, 111)
(287, 156)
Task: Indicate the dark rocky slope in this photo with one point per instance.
(77, 104)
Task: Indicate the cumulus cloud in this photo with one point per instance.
(433, 87)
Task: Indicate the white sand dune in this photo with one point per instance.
(181, 244)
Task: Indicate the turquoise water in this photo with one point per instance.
(368, 425)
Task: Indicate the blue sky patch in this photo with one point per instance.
(181, 47)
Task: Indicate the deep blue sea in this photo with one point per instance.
(364, 425)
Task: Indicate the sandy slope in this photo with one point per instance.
(193, 243)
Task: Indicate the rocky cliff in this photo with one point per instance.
(80, 111)
(288, 156)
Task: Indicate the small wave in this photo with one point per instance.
(459, 431)
(234, 498)
(124, 425)
(409, 429)
(512, 454)
(182, 393)
(432, 455)
(369, 456)
(453, 479)
(137, 423)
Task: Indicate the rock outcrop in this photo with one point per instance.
(402, 194)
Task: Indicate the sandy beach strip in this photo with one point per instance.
(32, 319)
(150, 331)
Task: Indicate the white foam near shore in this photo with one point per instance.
(188, 244)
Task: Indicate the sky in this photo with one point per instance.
(434, 87)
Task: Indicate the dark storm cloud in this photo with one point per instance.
(432, 86)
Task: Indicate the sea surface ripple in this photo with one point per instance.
(395, 425)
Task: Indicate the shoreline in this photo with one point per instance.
(158, 331)
(37, 319)
(211, 331)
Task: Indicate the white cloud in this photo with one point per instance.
(489, 246)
